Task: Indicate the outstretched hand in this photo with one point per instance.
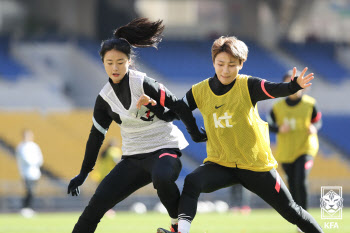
(145, 100)
(303, 82)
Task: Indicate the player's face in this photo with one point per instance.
(227, 67)
(116, 64)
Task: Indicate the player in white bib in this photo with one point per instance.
(151, 143)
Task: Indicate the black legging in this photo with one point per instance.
(297, 173)
(267, 185)
(162, 168)
(28, 198)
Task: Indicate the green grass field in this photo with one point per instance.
(259, 221)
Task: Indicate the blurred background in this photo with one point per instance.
(51, 74)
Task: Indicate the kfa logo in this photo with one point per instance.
(331, 202)
(331, 225)
(225, 117)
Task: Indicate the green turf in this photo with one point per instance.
(259, 221)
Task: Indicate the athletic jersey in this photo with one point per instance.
(29, 160)
(237, 137)
(141, 130)
(297, 141)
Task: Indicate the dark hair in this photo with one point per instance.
(140, 32)
(230, 45)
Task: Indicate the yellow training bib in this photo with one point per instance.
(237, 137)
(297, 141)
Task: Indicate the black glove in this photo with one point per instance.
(74, 184)
(198, 136)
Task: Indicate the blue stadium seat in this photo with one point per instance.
(91, 47)
(335, 129)
(261, 63)
(197, 151)
(181, 60)
(320, 56)
(10, 69)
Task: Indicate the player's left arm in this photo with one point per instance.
(154, 99)
(316, 121)
(261, 89)
(180, 108)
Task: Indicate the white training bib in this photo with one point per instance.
(141, 131)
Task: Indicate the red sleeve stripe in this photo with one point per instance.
(317, 117)
(308, 164)
(162, 94)
(278, 182)
(263, 88)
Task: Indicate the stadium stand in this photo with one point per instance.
(190, 61)
(68, 133)
(321, 57)
(10, 69)
(8, 167)
(263, 64)
(64, 148)
(335, 129)
(90, 47)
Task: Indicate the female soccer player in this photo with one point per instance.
(151, 147)
(238, 148)
(296, 121)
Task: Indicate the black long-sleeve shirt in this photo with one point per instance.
(258, 89)
(105, 115)
(255, 87)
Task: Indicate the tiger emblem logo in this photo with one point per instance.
(331, 202)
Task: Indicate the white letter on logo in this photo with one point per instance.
(217, 121)
(226, 117)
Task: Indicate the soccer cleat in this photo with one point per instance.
(161, 230)
(174, 227)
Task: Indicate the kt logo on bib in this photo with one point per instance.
(223, 121)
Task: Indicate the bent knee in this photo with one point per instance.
(163, 179)
(192, 185)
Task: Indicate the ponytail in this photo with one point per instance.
(141, 32)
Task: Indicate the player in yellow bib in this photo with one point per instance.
(109, 158)
(296, 121)
(238, 148)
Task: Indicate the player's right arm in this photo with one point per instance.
(274, 127)
(271, 120)
(101, 123)
(186, 105)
